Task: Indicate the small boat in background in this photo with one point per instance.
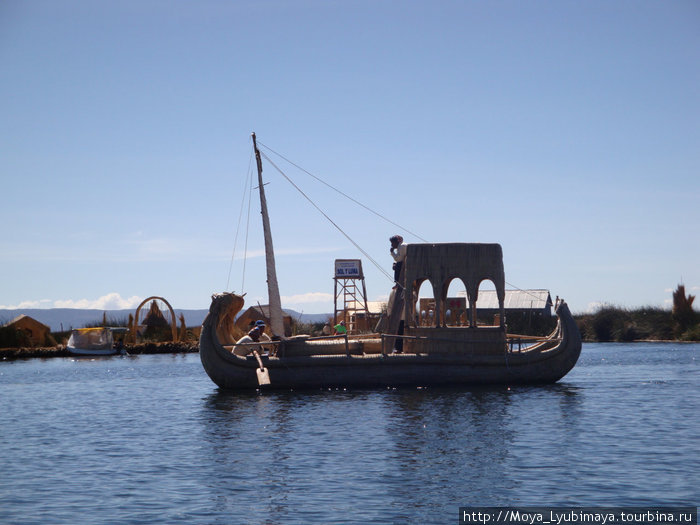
(94, 341)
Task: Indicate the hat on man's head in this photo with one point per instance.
(259, 322)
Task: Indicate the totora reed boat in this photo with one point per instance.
(431, 356)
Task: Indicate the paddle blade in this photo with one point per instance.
(263, 376)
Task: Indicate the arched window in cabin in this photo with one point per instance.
(456, 305)
(425, 311)
(487, 305)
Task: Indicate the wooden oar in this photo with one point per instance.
(262, 372)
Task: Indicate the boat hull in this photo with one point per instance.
(90, 351)
(477, 365)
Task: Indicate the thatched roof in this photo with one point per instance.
(25, 319)
(515, 300)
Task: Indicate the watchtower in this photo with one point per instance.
(350, 286)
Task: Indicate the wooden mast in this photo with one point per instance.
(273, 291)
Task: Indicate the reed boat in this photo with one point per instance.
(431, 355)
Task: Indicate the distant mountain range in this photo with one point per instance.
(61, 319)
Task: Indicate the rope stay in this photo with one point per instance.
(371, 259)
(247, 226)
(238, 226)
(249, 185)
(521, 290)
(339, 191)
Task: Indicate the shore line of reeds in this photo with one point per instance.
(7, 354)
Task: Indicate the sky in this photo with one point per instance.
(568, 132)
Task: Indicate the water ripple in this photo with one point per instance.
(150, 439)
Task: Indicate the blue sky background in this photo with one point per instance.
(569, 132)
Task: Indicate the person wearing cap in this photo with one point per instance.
(242, 349)
(340, 329)
(398, 252)
(260, 325)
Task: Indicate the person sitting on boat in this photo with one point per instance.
(398, 252)
(340, 329)
(242, 349)
(260, 325)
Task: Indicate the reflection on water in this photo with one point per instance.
(448, 445)
(157, 442)
(392, 450)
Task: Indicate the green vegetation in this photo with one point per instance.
(11, 337)
(113, 322)
(684, 317)
(612, 323)
(314, 329)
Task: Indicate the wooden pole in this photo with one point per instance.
(273, 291)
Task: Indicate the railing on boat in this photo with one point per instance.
(511, 341)
(521, 341)
(331, 338)
(278, 342)
(528, 341)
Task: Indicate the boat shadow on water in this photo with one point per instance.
(224, 401)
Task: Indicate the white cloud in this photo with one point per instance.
(42, 303)
(311, 297)
(111, 301)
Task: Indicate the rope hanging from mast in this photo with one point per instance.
(247, 188)
(339, 191)
(372, 260)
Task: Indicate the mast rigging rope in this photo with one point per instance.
(250, 190)
(238, 228)
(372, 260)
(247, 188)
(339, 191)
(247, 227)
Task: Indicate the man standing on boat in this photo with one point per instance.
(398, 252)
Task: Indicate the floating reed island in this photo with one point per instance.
(7, 354)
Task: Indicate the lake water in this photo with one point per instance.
(150, 439)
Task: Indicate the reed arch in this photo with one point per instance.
(455, 308)
(488, 284)
(173, 321)
(423, 311)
